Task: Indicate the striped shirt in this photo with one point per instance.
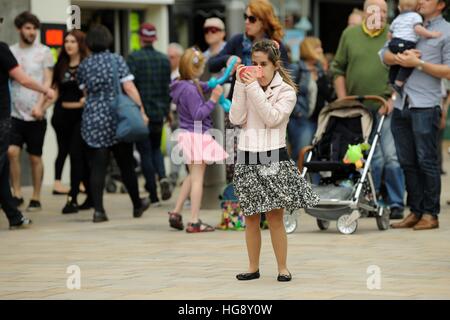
(403, 26)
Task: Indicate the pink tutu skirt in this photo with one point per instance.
(198, 148)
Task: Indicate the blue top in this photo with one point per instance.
(96, 75)
(422, 89)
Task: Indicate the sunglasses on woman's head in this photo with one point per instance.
(251, 19)
(211, 29)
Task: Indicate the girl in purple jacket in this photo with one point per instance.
(196, 144)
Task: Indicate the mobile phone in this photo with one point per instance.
(256, 71)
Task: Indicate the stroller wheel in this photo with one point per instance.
(344, 227)
(383, 219)
(290, 222)
(323, 224)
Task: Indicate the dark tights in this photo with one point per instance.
(98, 163)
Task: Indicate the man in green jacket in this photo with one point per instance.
(358, 70)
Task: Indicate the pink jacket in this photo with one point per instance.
(263, 115)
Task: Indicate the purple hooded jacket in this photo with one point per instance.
(190, 104)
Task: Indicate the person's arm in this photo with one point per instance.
(198, 108)
(19, 75)
(339, 67)
(388, 58)
(46, 103)
(389, 36)
(424, 33)
(340, 86)
(409, 59)
(272, 114)
(43, 103)
(74, 105)
(131, 90)
(218, 62)
(126, 80)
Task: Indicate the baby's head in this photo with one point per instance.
(192, 64)
(408, 5)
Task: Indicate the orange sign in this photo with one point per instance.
(54, 37)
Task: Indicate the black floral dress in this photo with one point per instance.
(96, 75)
(273, 184)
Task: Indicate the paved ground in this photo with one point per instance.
(144, 259)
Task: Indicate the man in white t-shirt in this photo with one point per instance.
(28, 110)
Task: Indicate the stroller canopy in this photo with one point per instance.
(344, 109)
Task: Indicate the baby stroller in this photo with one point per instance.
(346, 193)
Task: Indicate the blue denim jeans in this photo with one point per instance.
(300, 134)
(416, 137)
(385, 164)
(144, 148)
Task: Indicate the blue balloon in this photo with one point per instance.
(225, 103)
(214, 82)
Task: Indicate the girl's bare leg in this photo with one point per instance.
(197, 172)
(253, 240)
(184, 193)
(279, 238)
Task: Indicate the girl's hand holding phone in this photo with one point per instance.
(216, 93)
(248, 77)
(238, 72)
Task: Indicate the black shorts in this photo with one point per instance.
(31, 133)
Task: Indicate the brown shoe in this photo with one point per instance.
(409, 222)
(427, 222)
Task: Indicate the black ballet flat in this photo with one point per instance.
(284, 277)
(59, 193)
(248, 276)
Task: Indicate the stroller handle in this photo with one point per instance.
(361, 99)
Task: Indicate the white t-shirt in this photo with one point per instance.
(34, 60)
(403, 26)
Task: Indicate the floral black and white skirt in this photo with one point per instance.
(262, 186)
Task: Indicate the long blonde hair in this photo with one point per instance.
(191, 62)
(271, 48)
(264, 11)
